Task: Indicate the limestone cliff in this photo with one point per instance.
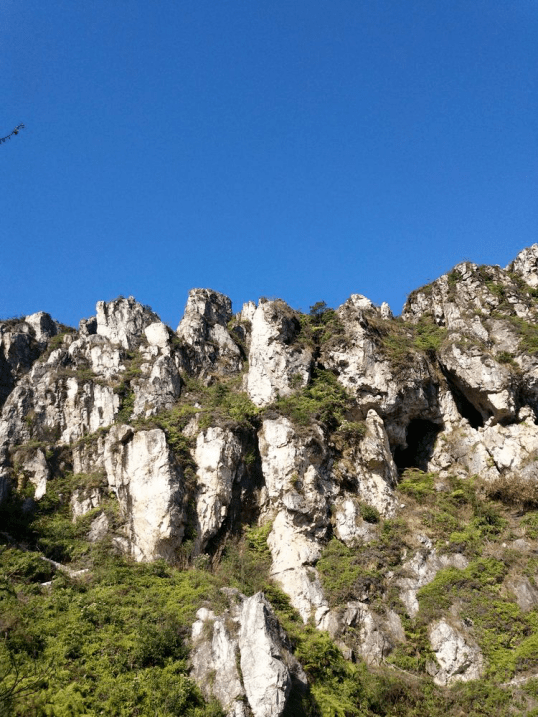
(331, 429)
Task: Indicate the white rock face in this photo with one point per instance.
(526, 265)
(160, 385)
(370, 465)
(249, 635)
(374, 635)
(122, 321)
(218, 458)
(86, 408)
(84, 501)
(18, 349)
(214, 661)
(349, 526)
(457, 655)
(298, 491)
(525, 593)
(204, 332)
(98, 528)
(482, 379)
(492, 451)
(148, 484)
(34, 466)
(277, 367)
(158, 335)
(43, 325)
(106, 360)
(266, 677)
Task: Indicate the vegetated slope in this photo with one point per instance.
(274, 513)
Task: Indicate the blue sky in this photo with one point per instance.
(302, 149)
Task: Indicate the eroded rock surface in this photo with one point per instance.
(247, 635)
(195, 446)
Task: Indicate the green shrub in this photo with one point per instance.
(324, 400)
(417, 483)
(370, 514)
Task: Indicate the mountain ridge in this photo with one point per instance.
(367, 464)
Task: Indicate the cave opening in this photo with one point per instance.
(420, 438)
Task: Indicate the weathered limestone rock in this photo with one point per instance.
(43, 325)
(360, 629)
(294, 556)
(208, 346)
(159, 387)
(18, 350)
(458, 657)
(86, 408)
(460, 299)
(491, 452)
(486, 383)
(84, 501)
(103, 358)
(526, 265)
(266, 677)
(122, 321)
(143, 475)
(98, 528)
(278, 365)
(370, 466)
(32, 465)
(218, 457)
(298, 490)
(526, 594)
(247, 635)
(214, 660)
(158, 335)
(349, 526)
(397, 395)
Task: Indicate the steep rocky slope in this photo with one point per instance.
(379, 473)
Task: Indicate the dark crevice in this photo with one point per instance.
(465, 407)
(243, 509)
(420, 438)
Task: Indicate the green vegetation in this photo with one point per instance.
(221, 403)
(399, 340)
(505, 358)
(528, 333)
(324, 400)
(320, 325)
(417, 483)
(115, 640)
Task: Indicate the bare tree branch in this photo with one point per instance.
(15, 132)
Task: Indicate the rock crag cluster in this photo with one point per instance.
(387, 460)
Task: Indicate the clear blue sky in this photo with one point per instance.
(302, 149)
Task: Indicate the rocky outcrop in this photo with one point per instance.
(525, 265)
(458, 658)
(368, 466)
(277, 363)
(310, 441)
(218, 456)
(361, 631)
(296, 497)
(208, 346)
(123, 320)
(21, 342)
(31, 465)
(247, 637)
(148, 483)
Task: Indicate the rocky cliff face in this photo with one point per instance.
(332, 430)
